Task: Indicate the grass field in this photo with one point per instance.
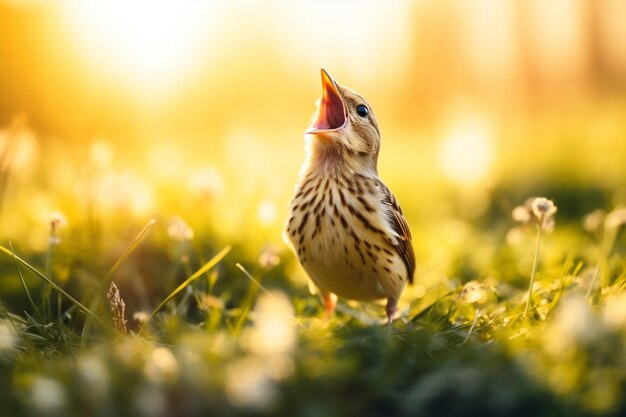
(212, 315)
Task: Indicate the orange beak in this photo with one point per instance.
(332, 113)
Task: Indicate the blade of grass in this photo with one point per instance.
(534, 272)
(429, 310)
(251, 278)
(19, 272)
(138, 239)
(471, 329)
(16, 328)
(214, 261)
(248, 300)
(245, 308)
(52, 284)
(46, 302)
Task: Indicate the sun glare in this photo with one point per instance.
(152, 42)
(466, 152)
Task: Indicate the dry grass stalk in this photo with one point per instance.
(117, 308)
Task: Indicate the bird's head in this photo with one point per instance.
(345, 121)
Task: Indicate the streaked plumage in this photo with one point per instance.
(345, 226)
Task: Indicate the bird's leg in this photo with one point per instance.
(329, 299)
(392, 307)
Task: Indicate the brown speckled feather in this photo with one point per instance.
(400, 226)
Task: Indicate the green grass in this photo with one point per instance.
(225, 341)
(220, 320)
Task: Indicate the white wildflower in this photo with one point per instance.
(162, 366)
(178, 229)
(47, 395)
(141, 316)
(269, 257)
(573, 323)
(515, 236)
(542, 207)
(206, 182)
(249, 386)
(539, 208)
(57, 221)
(8, 338)
(521, 214)
(207, 302)
(94, 377)
(616, 218)
(593, 220)
(274, 330)
(474, 292)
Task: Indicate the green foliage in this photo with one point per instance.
(225, 343)
(217, 332)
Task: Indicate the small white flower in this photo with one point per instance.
(149, 400)
(474, 292)
(141, 316)
(515, 236)
(269, 257)
(521, 214)
(178, 229)
(573, 323)
(207, 182)
(47, 395)
(539, 208)
(162, 366)
(543, 208)
(616, 218)
(57, 220)
(614, 312)
(207, 302)
(249, 386)
(8, 338)
(593, 220)
(94, 377)
(274, 331)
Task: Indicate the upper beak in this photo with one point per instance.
(332, 113)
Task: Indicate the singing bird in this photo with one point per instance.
(345, 226)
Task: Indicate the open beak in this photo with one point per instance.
(332, 113)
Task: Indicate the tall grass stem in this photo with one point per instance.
(534, 270)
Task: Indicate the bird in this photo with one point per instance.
(344, 224)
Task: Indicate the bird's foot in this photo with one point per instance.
(330, 300)
(391, 309)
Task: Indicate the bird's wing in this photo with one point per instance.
(401, 227)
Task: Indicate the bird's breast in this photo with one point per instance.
(337, 229)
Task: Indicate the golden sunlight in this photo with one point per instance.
(153, 43)
(466, 152)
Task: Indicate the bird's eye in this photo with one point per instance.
(362, 110)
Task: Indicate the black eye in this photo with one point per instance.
(362, 110)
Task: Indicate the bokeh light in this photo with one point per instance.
(466, 154)
(153, 43)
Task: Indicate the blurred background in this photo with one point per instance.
(193, 113)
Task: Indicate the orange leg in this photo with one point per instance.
(329, 299)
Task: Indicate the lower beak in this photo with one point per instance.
(332, 113)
